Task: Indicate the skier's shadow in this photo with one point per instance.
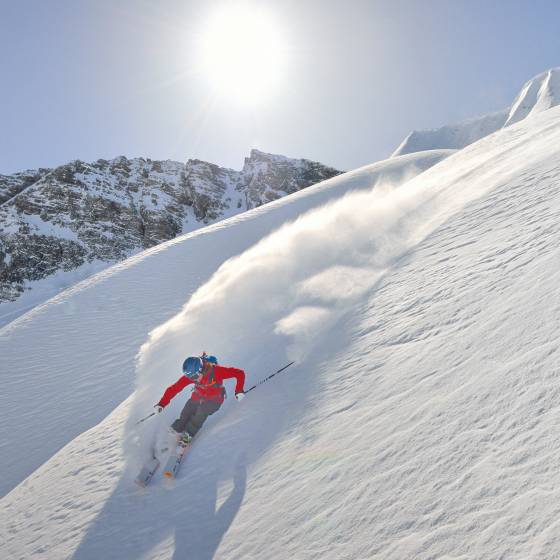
(187, 522)
(191, 523)
(204, 531)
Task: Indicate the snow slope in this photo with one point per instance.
(537, 95)
(455, 136)
(421, 419)
(80, 363)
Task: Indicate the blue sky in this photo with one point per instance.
(85, 79)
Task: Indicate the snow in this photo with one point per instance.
(122, 181)
(37, 292)
(455, 136)
(420, 420)
(42, 227)
(537, 95)
(79, 349)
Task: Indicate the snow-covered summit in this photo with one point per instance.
(258, 155)
(539, 94)
(453, 136)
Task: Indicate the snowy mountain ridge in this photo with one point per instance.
(70, 221)
(538, 94)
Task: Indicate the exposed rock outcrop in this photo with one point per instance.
(59, 219)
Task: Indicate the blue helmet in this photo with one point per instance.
(192, 367)
(211, 359)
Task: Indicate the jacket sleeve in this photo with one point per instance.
(173, 390)
(232, 373)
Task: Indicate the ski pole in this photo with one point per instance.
(269, 377)
(145, 418)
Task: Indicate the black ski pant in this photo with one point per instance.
(194, 414)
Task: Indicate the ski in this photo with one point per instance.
(147, 472)
(174, 462)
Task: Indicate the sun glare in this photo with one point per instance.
(241, 53)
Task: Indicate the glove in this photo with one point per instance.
(158, 408)
(240, 396)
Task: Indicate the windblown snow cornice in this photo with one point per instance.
(60, 219)
(537, 95)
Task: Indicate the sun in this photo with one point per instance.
(241, 53)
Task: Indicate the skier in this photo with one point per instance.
(207, 396)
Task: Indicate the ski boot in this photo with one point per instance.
(174, 461)
(185, 438)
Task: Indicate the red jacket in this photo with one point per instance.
(209, 387)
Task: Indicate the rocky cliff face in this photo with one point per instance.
(60, 219)
(10, 185)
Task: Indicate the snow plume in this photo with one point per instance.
(280, 299)
(274, 302)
